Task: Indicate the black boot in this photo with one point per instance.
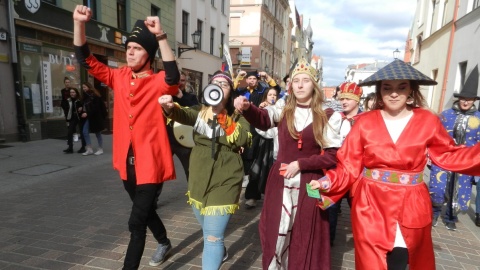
(477, 218)
(69, 150)
(81, 150)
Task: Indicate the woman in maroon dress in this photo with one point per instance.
(294, 232)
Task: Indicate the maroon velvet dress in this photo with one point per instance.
(309, 243)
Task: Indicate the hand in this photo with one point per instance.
(242, 73)
(314, 184)
(84, 115)
(263, 105)
(153, 25)
(166, 101)
(263, 74)
(241, 104)
(82, 13)
(292, 169)
(179, 94)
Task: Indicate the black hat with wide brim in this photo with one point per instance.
(470, 88)
(398, 70)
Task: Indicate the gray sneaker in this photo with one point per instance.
(435, 222)
(451, 226)
(160, 254)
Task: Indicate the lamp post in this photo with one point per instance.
(396, 53)
(196, 41)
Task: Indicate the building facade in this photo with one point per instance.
(208, 22)
(259, 35)
(42, 41)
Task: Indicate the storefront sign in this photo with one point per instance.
(32, 5)
(47, 86)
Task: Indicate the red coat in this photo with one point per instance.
(138, 118)
(378, 206)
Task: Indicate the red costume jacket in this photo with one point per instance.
(378, 205)
(138, 119)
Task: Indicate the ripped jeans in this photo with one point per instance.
(213, 236)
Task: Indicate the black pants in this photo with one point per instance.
(333, 216)
(72, 128)
(143, 215)
(397, 259)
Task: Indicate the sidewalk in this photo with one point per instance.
(61, 211)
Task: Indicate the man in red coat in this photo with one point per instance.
(141, 150)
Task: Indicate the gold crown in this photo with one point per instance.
(304, 67)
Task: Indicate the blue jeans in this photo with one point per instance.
(437, 210)
(86, 134)
(213, 238)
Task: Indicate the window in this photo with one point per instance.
(418, 49)
(222, 40)
(462, 70)
(213, 3)
(121, 15)
(155, 11)
(223, 6)
(92, 4)
(212, 39)
(185, 16)
(199, 29)
(476, 4)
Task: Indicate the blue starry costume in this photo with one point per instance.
(464, 127)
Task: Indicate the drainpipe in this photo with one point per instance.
(21, 124)
(449, 56)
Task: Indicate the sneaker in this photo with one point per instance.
(68, 151)
(81, 150)
(435, 222)
(451, 226)
(99, 152)
(477, 215)
(245, 181)
(251, 203)
(160, 254)
(225, 254)
(88, 152)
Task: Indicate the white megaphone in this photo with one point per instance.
(212, 95)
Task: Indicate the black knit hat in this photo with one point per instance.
(252, 73)
(141, 35)
(398, 70)
(470, 88)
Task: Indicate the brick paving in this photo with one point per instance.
(61, 211)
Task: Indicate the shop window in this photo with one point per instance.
(194, 82)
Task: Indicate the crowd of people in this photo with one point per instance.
(302, 153)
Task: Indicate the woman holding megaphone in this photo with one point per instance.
(216, 167)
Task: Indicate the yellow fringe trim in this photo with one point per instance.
(212, 210)
(236, 133)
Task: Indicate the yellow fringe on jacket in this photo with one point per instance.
(212, 210)
(234, 136)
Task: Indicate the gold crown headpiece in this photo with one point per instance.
(304, 67)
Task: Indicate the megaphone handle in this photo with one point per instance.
(214, 122)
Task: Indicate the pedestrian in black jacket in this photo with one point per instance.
(93, 114)
(72, 114)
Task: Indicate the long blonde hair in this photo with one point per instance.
(320, 120)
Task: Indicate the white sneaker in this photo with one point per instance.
(245, 181)
(99, 152)
(88, 152)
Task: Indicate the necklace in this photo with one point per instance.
(300, 142)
